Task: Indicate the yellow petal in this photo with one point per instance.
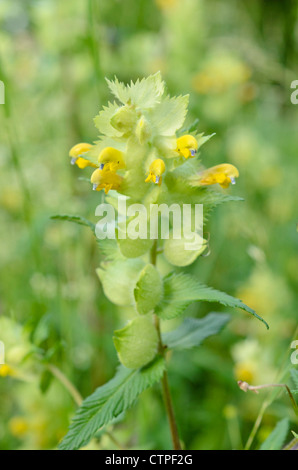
(76, 153)
(105, 180)
(156, 169)
(111, 159)
(187, 146)
(223, 174)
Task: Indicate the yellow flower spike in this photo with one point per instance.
(104, 179)
(224, 174)
(111, 159)
(187, 146)
(156, 169)
(76, 153)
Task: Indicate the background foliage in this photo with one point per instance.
(237, 61)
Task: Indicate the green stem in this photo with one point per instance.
(93, 42)
(165, 381)
(78, 399)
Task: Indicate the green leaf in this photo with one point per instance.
(77, 219)
(137, 342)
(143, 93)
(202, 139)
(119, 278)
(45, 381)
(109, 401)
(193, 331)
(110, 249)
(189, 129)
(278, 436)
(148, 289)
(174, 107)
(180, 290)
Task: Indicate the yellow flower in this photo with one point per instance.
(111, 159)
(156, 169)
(104, 179)
(6, 370)
(245, 371)
(224, 174)
(18, 426)
(187, 146)
(76, 153)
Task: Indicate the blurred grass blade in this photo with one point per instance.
(276, 439)
(294, 375)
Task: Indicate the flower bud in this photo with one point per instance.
(143, 131)
(124, 119)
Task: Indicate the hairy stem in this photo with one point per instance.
(165, 381)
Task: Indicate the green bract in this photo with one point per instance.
(176, 253)
(137, 342)
(148, 289)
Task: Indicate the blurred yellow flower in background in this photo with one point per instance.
(219, 73)
(6, 370)
(18, 426)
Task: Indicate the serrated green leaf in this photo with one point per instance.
(136, 343)
(174, 107)
(278, 436)
(193, 331)
(143, 93)
(119, 90)
(148, 289)
(77, 219)
(110, 249)
(109, 401)
(180, 290)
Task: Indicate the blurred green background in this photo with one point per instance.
(237, 60)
